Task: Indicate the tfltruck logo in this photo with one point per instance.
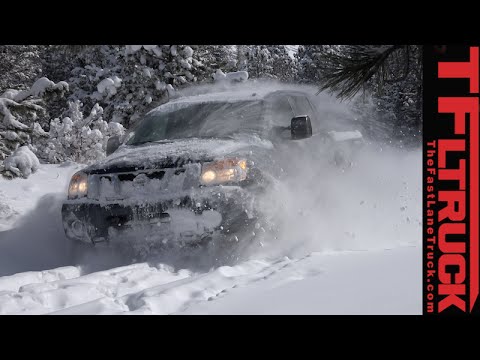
(451, 175)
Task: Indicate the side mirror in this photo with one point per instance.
(301, 127)
(113, 144)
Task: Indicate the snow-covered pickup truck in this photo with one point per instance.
(190, 170)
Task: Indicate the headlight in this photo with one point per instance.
(78, 186)
(223, 171)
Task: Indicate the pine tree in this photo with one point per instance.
(282, 65)
(310, 59)
(22, 112)
(76, 137)
(20, 65)
(142, 76)
(210, 58)
(268, 61)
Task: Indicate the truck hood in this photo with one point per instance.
(175, 153)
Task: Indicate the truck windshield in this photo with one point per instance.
(199, 120)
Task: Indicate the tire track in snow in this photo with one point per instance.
(134, 289)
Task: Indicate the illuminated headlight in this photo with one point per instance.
(78, 186)
(224, 171)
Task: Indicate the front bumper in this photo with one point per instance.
(188, 218)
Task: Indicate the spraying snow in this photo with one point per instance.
(372, 205)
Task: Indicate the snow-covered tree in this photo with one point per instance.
(78, 138)
(128, 80)
(268, 61)
(21, 110)
(397, 90)
(284, 67)
(210, 58)
(311, 59)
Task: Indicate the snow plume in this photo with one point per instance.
(320, 207)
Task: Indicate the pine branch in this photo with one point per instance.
(345, 73)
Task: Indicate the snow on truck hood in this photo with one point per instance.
(151, 154)
(224, 96)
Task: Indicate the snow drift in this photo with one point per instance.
(23, 162)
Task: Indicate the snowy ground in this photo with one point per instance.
(21, 195)
(358, 255)
(329, 283)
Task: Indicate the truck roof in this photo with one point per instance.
(226, 96)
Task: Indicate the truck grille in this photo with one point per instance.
(142, 183)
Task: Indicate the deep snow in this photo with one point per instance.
(20, 196)
(368, 282)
